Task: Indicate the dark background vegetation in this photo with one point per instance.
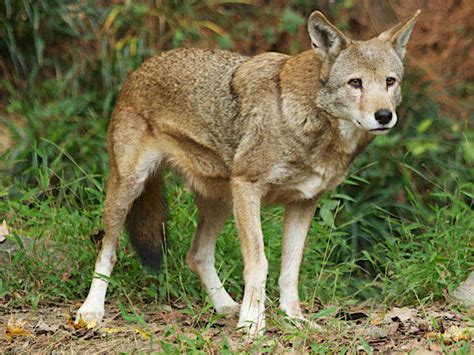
(400, 229)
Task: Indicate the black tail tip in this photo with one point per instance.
(148, 243)
(151, 257)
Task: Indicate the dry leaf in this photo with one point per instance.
(81, 324)
(375, 332)
(42, 328)
(16, 328)
(404, 314)
(432, 335)
(455, 334)
(111, 330)
(377, 319)
(4, 232)
(144, 334)
(392, 328)
(410, 344)
(413, 329)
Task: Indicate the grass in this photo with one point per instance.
(398, 232)
(412, 250)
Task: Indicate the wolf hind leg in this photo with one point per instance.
(122, 192)
(200, 258)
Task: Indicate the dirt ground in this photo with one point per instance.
(432, 330)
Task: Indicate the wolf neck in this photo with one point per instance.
(299, 84)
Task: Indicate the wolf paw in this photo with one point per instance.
(91, 315)
(253, 328)
(295, 317)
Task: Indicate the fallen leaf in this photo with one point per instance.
(81, 324)
(392, 328)
(85, 333)
(166, 308)
(411, 344)
(16, 328)
(377, 320)
(413, 330)
(143, 333)
(172, 315)
(404, 314)
(456, 334)
(42, 328)
(432, 335)
(423, 324)
(375, 332)
(111, 330)
(4, 232)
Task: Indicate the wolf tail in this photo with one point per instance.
(145, 223)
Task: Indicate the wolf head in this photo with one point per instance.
(361, 79)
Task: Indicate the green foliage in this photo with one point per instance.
(400, 229)
(291, 21)
(90, 47)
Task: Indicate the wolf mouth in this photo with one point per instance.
(380, 129)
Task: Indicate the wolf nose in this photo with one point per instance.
(383, 116)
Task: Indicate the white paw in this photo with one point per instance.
(253, 329)
(293, 311)
(231, 308)
(253, 324)
(296, 318)
(91, 315)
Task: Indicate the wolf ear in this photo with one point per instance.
(399, 34)
(326, 39)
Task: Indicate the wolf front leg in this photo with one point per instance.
(298, 217)
(247, 197)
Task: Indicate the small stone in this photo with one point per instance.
(464, 294)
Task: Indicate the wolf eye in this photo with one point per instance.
(355, 83)
(390, 81)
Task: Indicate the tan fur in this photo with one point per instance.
(244, 131)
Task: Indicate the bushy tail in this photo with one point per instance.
(145, 223)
